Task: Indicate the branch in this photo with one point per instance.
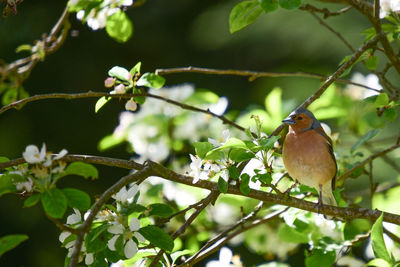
(18, 104)
(165, 173)
(137, 177)
(255, 74)
(51, 43)
(331, 79)
(323, 23)
(199, 256)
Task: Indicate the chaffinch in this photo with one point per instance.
(308, 155)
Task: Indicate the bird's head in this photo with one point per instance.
(302, 120)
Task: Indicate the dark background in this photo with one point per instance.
(167, 34)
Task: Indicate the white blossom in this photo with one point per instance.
(197, 171)
(225, 259)
(387, 6)
(126, 196)
(33, 155)
(27, 186)
(120, 89)
(225, 137)
(357, 92)
(130, 246)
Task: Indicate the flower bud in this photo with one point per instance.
(119, 89)
(131, 105)
(109, 82)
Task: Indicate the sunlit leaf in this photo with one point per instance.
(120, 73)
(222, 185)
(379, 263)
(157, 237)
(244, 184)
(151, 80)
(378, 243)
(371, 63)
(82, 169)
(160, 209)
(289, 4)
(390, 114)
(202, 148)
(119, 27)
(382, 100)
(243, 14)
(77, 198)
(109, 141)
(101, 102)
(273, 104)
(32, 200)
(320, 258)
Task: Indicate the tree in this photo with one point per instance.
(202, 176)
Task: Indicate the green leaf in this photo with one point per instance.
(32, 200)
(382, 100)
(266, 178)
(77, 198)
(370, 134)
(378, 244)
(9, 242)
(320, 258)
(289, 4)
(269, 5)
(268, 143)
(222, 185)
(371, 63)
(244, 184)
(82, 169)
(289, 234)
(243, 14)
(95, 240)
(24, 47)
(138, 99)
(390, 114)
(355, 227)
(202, 148)
(239, 155)
(151, 80)
(7, 184)
(54, 203)
(202, 96)
(160, 209)
(119, 27)
(100, 103)
(109, 141)
(120, 73)
(233, 172)
(136, 68)
(273, 104)
(379, 263)
(157, 237)
(4, 159)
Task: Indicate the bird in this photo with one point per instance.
(308, 155)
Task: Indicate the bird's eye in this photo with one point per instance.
(299, 118)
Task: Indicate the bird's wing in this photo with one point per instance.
(321, 131)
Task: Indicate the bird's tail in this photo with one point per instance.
(327, 196)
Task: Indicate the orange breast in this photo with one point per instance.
(307, 158)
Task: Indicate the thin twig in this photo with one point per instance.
(198, 257)
(204, 203)
(331, 79)
(323, 23)
(366, 161)
(324, 11)
(90, 94)
(255, 74)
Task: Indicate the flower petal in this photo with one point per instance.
(89, 259)
(134, 224)
(61, 154)
(130, 249)
(139, 237)
(116, 229)
(111, 242)
(63, 236)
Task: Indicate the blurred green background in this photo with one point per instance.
(167, 34)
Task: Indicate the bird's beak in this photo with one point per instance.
(288, 121)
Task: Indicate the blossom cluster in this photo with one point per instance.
(121, 228)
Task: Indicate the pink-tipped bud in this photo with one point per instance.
(119, 89)
(109, 82)
(128, 76)
(131, 105)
